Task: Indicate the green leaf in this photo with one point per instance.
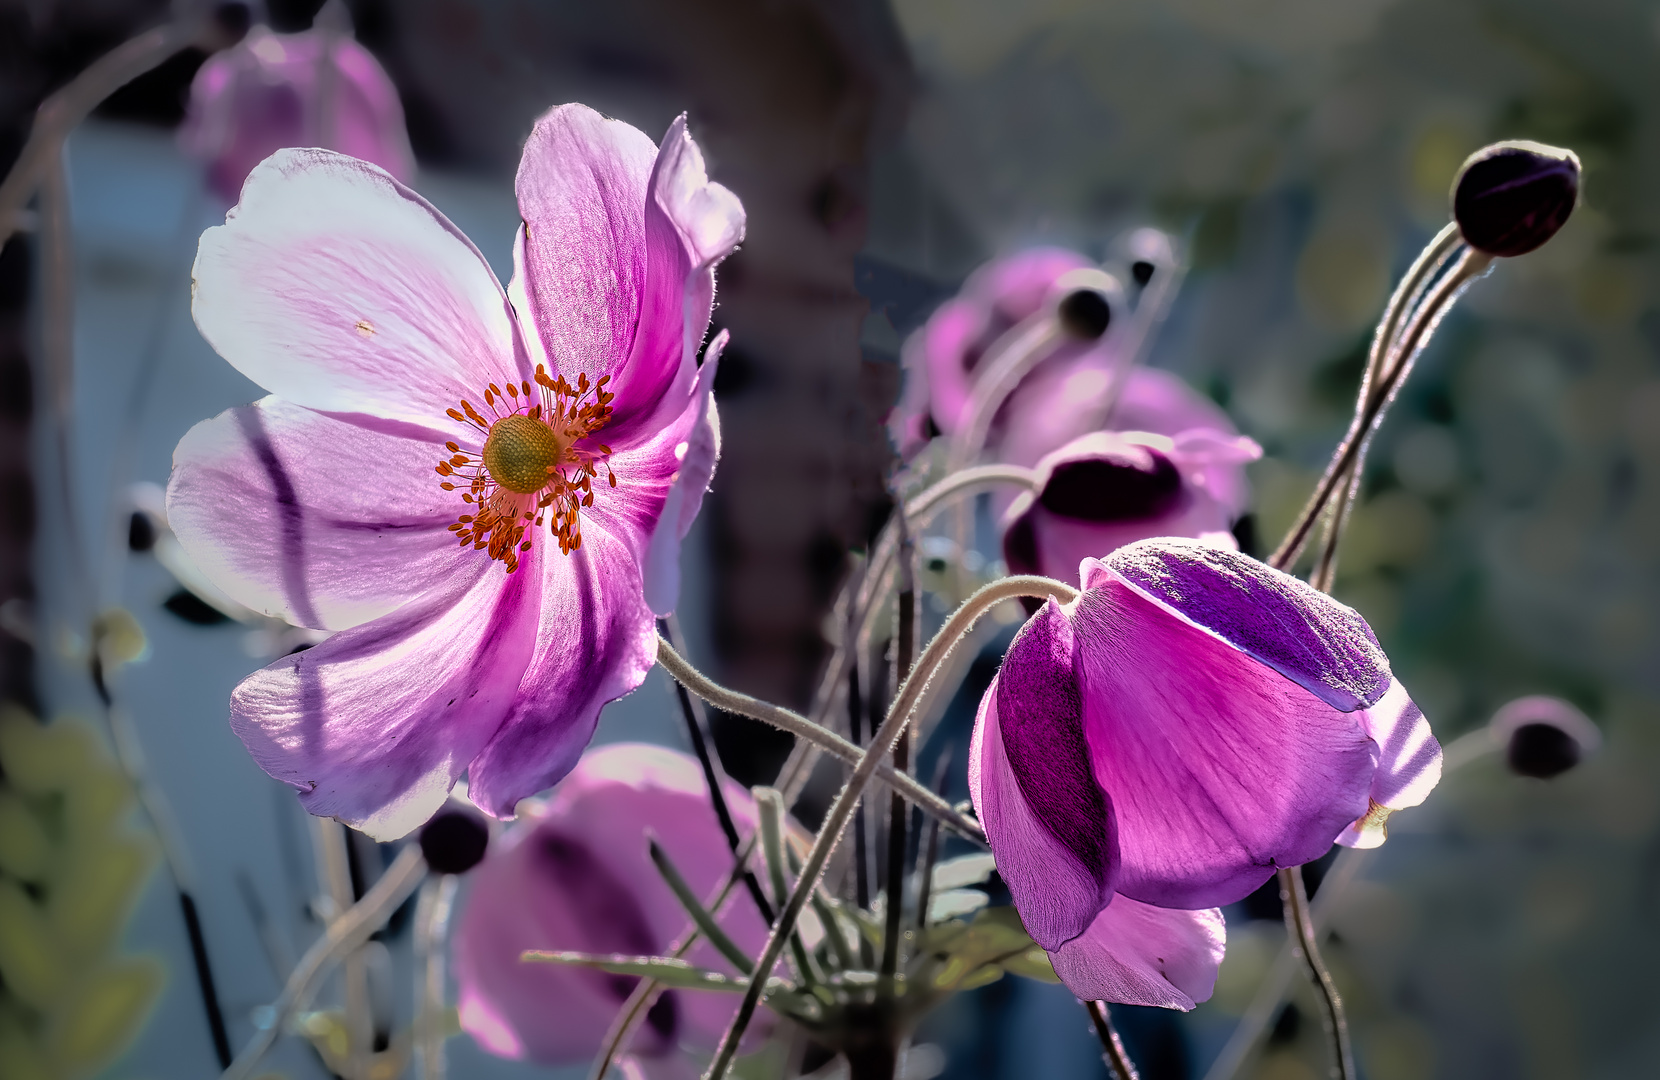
(1032, 964)
(673, 973)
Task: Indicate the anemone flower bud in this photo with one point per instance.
(1160, 745)
(271, 91)
(1543, 736)
(1107, 489)
(575, 873)
(455, 839)
(1511, 197)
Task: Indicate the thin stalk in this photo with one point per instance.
(634, 1010)
(703, 744)
(1112, 1047)
(345, 934)
(335, 872)
(701, 917)
(898, 812)
(1009, 360)
(861, 858)
(912, 694)
(1299, 926)
(432, 917)
(769, 805)
(930, 854)
(744, 705)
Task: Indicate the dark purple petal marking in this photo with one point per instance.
(1316, 642)
(1124, 483)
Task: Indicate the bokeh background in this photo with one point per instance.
(1508, 540)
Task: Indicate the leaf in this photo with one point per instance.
(108, 1010)
(30, 962)
(1032, 964)
(699, 914)
(963, 871)
(673, 973)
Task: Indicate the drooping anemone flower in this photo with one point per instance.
(488, 610)
(575, 874)
(1107, 489)
(1159, 746)
(270, 91)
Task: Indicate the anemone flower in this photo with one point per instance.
(575, 874)
(270, 91)
(1160, 745)
(1107, 489)
(486, 612)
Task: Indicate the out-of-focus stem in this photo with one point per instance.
(344, 934)
(432, 918)
(911, 696)
(800, 726)
(898, 812)
(1112, 1047)
(1009, 360)
(1299, 927)
(335, 873)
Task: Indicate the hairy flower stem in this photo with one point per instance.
(796, 724)
(1299, 925)
(1112, 1047)
(345, 934)
(912, 696)
(697, 730)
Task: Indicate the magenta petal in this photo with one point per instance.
(318, 522)
(374, 725)
(595, 642)
(696, 455)
(1049, 824)
(575, 874)
(1409, 764)
(1322, 645)
(337, 288)
(1137, 954)
(1219, 768)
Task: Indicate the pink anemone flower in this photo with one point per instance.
(488, 610)
(1107, 489)
(576, 874)
(271, 91)
(1163, 743)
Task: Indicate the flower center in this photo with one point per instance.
(537, 462)
(521, 453)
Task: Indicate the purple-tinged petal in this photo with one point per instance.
(575, 874)
(1322, 645)
(1219, 768)
(318, 522)
(374, 725)
(1137, 954)
(1048, 821)
(337, 288)
(1409, 764)
(596, 641)
(698, 453)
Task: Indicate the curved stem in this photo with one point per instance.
(1112, 1047)
(912, 694)
(1009, 360)
(346, 933)
(801, 727)
(1299, 926)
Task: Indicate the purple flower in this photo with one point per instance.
(576, 874)
(1104, 490)
(272, 91)
(1191, 722)
(488, 612)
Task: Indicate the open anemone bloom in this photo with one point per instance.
(1107, 489)
(575, 874)
(270, 91)
(1159, 746)
(483, 491)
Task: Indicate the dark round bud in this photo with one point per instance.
(1085, 313)
(141, 532)
(1142, 271)
(1511, 197)
(1542, 750)
(231, 22)
(454, 840)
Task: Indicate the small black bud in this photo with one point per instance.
(1541, 750)
(1511, 197)
(1085, 313)
(141, 532)
(454, 840)
(1142, 271)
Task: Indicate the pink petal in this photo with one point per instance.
(374, 725)
(337, 288)
(697, 454)
(1137, 954)
(1409, 764)
(596, 640)
(1049, 824)
(318, 522)
(1219, 768)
